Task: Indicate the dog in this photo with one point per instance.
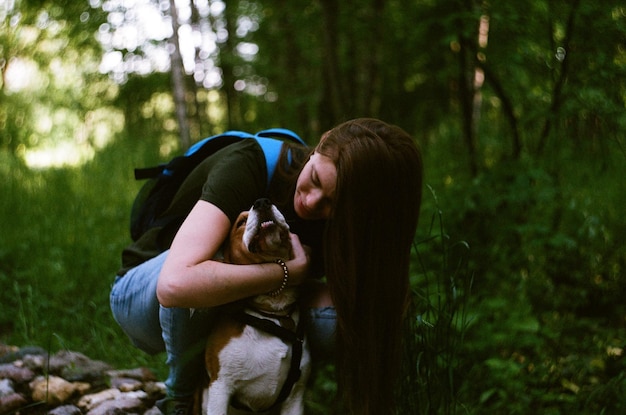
(248, 367)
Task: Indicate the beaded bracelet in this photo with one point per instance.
(283, 284)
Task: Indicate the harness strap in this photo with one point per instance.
(295, 338)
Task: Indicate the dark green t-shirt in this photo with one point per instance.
(231, 179)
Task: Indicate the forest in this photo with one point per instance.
(519, 261)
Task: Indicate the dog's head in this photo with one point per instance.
(258, 235)
(261, 235)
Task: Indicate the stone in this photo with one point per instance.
(155, 388)
(6, 387)
(53, 390)
(15, 373)
(121, 405)
(141, 373)
(11, 402)
(65, 410)
(89, 402)
(153, 411)
(35, 361)
(126, 384)
(75, 366)
(9, 354)
(70, 383)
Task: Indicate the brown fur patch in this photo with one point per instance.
(225, 330)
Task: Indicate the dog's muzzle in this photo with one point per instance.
(263, 220)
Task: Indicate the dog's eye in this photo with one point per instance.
(241, 222)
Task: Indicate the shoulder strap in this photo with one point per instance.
(271, 150)
(232, 133)
(271, 147)
(281, 133)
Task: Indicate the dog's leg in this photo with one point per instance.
(294, 404)
(217, 398)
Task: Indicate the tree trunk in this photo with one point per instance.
(373, 60)
(332, 73)
(227, 63)
(557, 92)
(178, 81)
(466, 99)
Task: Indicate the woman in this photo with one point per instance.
(353, 208)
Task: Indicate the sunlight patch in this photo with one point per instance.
(65, 154)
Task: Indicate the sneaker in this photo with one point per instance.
(173, 406)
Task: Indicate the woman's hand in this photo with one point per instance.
(299, 265)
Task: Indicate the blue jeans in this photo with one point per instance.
(182, 333)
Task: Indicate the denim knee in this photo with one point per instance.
(322, 325)
(135, 305)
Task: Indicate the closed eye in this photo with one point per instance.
(314, 178)
(241, 222)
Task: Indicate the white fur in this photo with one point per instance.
(253, 368)
(253, 225)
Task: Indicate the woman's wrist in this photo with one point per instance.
(284, 281)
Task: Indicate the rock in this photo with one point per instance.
(141, 373)
(124, 404)
(5, 350)
(70, 383)
(6, 387)
(126, 384)
(89, 402)
(11, 402)
(65, 410)
(155, 389)
(35, 361)
(82, 387)
(10, 354)
(76, 366)
(15, 373)
(53, 390)
(153, 411)
(135, 395)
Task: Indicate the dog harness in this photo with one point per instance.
(296, 338)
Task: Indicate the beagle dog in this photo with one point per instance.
(258, 359)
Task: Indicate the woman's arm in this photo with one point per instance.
(190, 278)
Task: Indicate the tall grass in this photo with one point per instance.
(62, 233)
(441, 283)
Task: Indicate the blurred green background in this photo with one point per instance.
(520, 108)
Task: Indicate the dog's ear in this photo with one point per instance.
(241, 220)
(236, 232)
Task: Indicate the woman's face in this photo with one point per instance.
(315, 189)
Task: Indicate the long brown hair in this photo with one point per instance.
(367, 255)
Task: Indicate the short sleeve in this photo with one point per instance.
(236, 178)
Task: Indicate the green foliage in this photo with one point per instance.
(526, 315)
(63, 230)
(546, 310)
(530, 318)
(441, 283)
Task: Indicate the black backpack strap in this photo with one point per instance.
(149, 172)
(295, 338)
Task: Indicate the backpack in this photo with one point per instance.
(155, 195)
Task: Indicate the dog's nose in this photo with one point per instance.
(263, 203)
